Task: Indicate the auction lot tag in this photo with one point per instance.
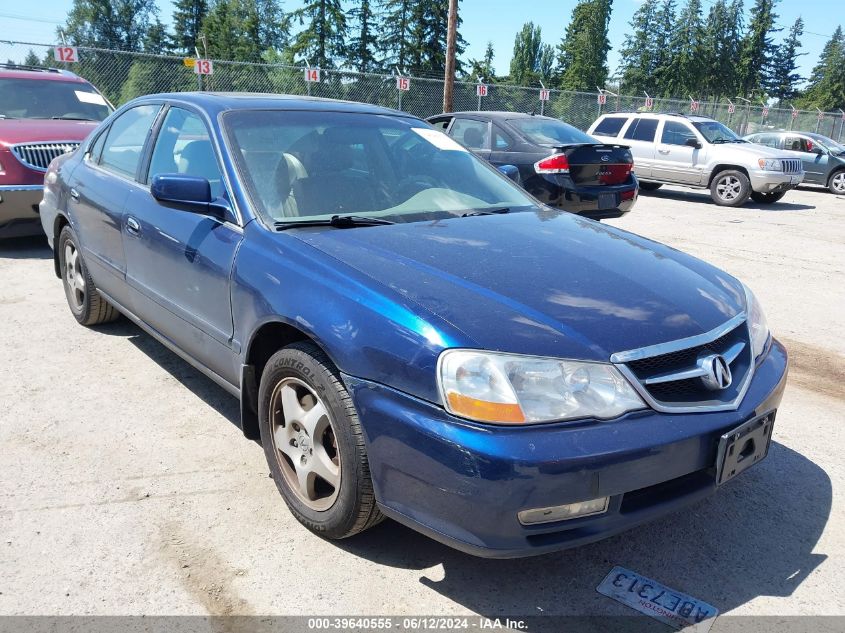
(671, 607)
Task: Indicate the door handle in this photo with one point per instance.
(74, 194)
(132, 226)
(663, 151)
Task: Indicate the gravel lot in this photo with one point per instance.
(127, 489)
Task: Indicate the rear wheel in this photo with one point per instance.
(837, 183)
(730, 188)
(650, 186)
(767, 198)
(314, 443)
(85, 302)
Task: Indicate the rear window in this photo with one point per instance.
(50, 99)
(610, 126)
(544, 131)
(642, 130)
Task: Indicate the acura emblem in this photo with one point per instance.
(717, 372)
(605, 157)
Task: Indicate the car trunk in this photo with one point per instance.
(598, 164)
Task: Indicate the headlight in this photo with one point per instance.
(757, 326)
(511, 389)
(770, 164)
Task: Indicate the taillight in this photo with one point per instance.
(554, 164)
(809, 145)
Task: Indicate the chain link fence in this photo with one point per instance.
(122, 76)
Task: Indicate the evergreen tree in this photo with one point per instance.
(582, 54)
(826, 87)
(717, 53)
(243, 30)
(156, 39)
(639, 51)
(188, 16)
(394, 37)
(323, 40)
(482, 67)
(31, 59)
(663, 54)
(685, 77)
(116, 24)
(427, 37)
(757, 49)
(526, 54)
(364, 44)
(784, 81)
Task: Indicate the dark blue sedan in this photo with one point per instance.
(409, 333)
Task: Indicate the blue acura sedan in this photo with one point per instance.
(409, 333)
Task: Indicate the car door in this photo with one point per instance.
(179, 262)
(640, 137)
(674, 160)
(473, 133)
(813, 157)
(98, 191)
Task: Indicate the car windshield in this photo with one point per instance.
(51, 99)
(301, 166)
(828, 143)
(715, 132)
(543, 131)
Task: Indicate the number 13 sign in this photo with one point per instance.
(67, 54)
(204, 67)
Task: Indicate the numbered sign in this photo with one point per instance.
(649, 103)
(545, 93)
(731, 108)
(204, 67)
(602, 99)
(795, 114)
(312, 75)
(765, 111)
(481, 90)
(693, 106)
(67, 54)
(403, 84)
(821, 116)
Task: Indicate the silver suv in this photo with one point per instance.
(699, 152)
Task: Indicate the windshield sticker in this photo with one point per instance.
(90, 97)
(439, 139)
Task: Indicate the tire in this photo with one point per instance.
(86, 304)
(650, 186)
(296, 381)
(730, 188)
(836, 184)
(767, 198)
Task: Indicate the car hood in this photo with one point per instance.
(14, 131)
(751, 150)
(544, 283)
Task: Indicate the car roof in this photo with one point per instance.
(222, 101)
(677, 115)
(496, 115)
(41, 74)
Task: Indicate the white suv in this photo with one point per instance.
(700, 152)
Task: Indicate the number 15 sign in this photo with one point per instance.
(67, 54)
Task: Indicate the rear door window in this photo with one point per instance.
(610, 126)
(126, 138)
(642, 130)
(676, 133)
(441, 124)
(796, 144)
(501, 141)
(471, 133)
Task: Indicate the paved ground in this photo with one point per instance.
(126, 489)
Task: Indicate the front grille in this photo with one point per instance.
(663, 380)
(39, 155)
(791, 165)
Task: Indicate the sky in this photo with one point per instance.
(483, 21)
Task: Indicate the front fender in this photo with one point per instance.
(369, 330)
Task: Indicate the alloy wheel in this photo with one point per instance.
(74, 277)
(838, 182)
(305, 444)
(728, 188)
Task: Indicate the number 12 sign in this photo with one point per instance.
(204, 67)
(67, 54)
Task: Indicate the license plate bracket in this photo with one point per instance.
(743, 447)
(607, 201)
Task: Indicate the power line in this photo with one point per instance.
(15, 16)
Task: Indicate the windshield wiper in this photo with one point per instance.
(72, 118)
(337, 221)
(486, 212)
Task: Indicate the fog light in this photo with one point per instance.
(562, 513)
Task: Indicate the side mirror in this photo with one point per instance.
(511, 171)
(189, 193)
(693, 142)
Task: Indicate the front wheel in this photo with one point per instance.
(837, 183)
(314, 443)
(85, 302)
(650, 186)
(767, 198)
(730, 188)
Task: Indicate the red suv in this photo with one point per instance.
(44, 113)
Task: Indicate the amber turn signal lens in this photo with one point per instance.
(483, 410)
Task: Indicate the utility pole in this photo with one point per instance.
(451, 43)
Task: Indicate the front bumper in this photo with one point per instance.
(773, 181)
(19, 210)
(463, 483)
